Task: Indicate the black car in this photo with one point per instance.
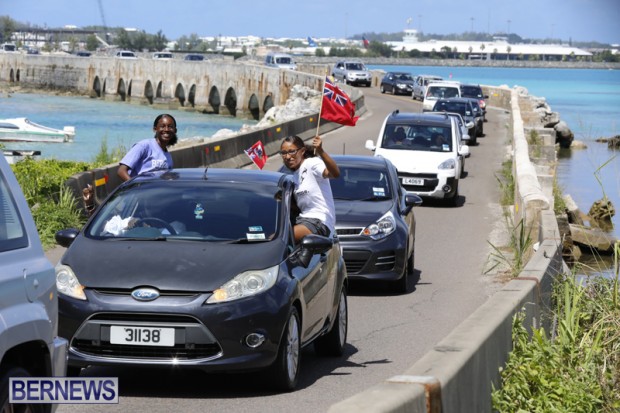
(374, 220)
(475, 91)
(462, 106)
(478, 115)
(194, 57)
(397, 83)
(195, 267)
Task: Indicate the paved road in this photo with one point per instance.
(387, 333)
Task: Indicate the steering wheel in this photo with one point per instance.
(156, 222)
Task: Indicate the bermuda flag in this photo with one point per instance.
(365, 41)
(257, 154)
(337, 106)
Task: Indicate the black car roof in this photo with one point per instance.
(246, 176)
(418, 118)
(360, 160)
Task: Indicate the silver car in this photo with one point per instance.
(419, 85)
(352, 73)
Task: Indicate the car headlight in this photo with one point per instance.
(246, 284)
(401, 85)
(383, 227)
(68, 284)
(448, 164)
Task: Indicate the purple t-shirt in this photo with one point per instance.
(146, 156)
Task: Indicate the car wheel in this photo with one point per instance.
(393, 90)
(285, 370)
(462, 168)
(332, 343)
(401, 286)
(382, 89)
(5, 406)
(455, 199)
(411, 262)
(73, 371)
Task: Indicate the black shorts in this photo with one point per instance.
(314, 225)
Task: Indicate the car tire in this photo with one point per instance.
(284, 372)
(454, 201)
(333, 342)
(382, 89)
(5, 406)
(393, 90)
(401, 286)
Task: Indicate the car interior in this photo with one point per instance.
(358, 184)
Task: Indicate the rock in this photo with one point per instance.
(563, 135)
(578, 145)
(601, 213)
(592, 238)
(572, 210)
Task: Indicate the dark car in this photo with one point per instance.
(374, 220)
(195, 267)
(475, 91)
(462, 106)
(478, 115)
(83, 53)
(194, 57)
(400, 83)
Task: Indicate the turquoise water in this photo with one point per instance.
(120, 123)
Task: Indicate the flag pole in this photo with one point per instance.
(318, 121)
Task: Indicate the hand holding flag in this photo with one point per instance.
(257, 154)
(337, 106)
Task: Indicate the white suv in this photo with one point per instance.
(352, 72)
(439, 90)
(427, 152)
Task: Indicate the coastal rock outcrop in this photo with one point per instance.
(563, 135)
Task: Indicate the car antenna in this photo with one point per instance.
(396, 112)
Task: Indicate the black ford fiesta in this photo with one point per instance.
(194, 267)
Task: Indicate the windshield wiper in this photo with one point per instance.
(376, 198)
(159, 238)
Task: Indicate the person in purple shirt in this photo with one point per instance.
(151, 154)
(145, 156)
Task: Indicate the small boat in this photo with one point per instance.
(22, 129)
(15, 155)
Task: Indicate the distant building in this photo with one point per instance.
(498, 49)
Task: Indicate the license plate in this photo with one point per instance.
(142, 336)
(413, 181)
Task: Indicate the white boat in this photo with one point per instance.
(15, 155)
(22, 129)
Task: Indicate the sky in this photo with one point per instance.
(577, 20)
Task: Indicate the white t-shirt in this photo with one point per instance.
(314, 193)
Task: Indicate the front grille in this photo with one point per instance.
(127, 292)
(354, 266)
(145, 317)
(430, 182)
(179, 351)
(360, 260)
(348, 232)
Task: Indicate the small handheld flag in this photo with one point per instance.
(257, 154)
(337, 106)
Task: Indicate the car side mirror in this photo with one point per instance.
(411, 200)
(65, 237)
(469, 125)
(310, 245)
(464, 151)
(370, 145)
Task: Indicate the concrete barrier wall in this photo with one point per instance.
(459, 373)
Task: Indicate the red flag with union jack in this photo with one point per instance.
(257, 154)
(337, 106)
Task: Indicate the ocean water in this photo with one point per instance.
(121, 124)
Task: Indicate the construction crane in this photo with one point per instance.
(105, 26)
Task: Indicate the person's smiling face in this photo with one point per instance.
(292, 156)
(165, 131)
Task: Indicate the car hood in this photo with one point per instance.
(415, 161)
(358, 72)
(166, 265)
(360, 213)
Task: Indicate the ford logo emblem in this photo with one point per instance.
(145, 294)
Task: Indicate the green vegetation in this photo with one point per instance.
(506, 184)
(53, 205)
(577, 367)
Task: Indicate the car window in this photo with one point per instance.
(405, 77)
(471, 91)
(12, 232)
(419, 138)
(358, 184)
(188, 211)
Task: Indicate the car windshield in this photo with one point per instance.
(355, 66)
(428, 138)
(443, 92)
(284, 60)
(458, 107)
(404, 76)
(202, 211)
(361, 184)
(471, 92)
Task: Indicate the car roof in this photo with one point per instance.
(360, 160)
(218, 175)
(418, 118)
